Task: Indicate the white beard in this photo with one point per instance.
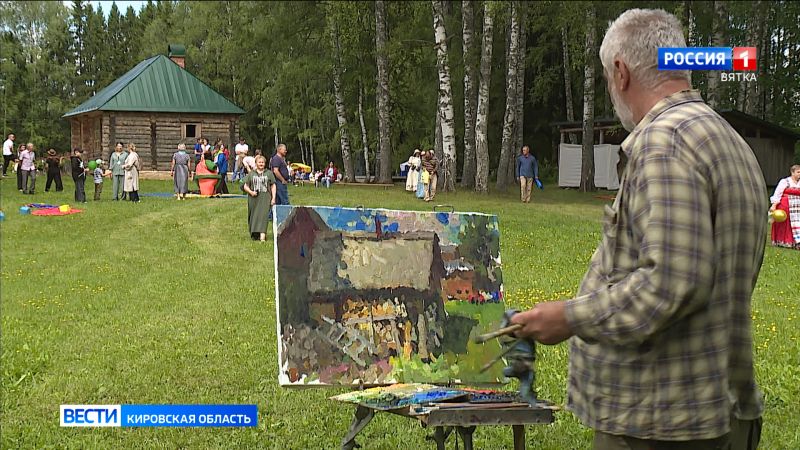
(622, 111)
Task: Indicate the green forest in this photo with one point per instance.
(352, 81)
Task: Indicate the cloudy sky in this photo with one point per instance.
(122, 5)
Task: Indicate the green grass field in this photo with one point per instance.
(171, 302)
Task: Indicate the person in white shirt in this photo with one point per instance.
(241, 150)
(8, 152)
(792, 181)
(249, 162)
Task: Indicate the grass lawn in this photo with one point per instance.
(171, 302)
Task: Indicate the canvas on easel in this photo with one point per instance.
(375, 297)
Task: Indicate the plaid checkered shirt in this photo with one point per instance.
(663, 340)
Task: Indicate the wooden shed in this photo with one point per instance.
(772, 144)
(156, 105)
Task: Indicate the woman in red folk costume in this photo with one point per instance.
(786, 205)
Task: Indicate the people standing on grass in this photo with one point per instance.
(27, 164)
(53, 163)
(280, 170)
(423, 177)
(661, 331)
(240, 150)
(179, 169)
(787, 198)
(413, 171)
(98, 179)
(116, 161)
(222, 168)
(78, 175)
(431, 166)
(132, 166)
(261, 189)
(198, 150)
(8, 153)
(17, 162)
(527, 171)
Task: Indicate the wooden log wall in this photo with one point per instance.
(136, 127)
(75, 135)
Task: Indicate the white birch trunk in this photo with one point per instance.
(384, 125)
(364, 141)
(519, 106)
(448, 164)
(482, 116)
(341, 113)
(719, 25)
(587, 153)
(470, 94)
(511, 91)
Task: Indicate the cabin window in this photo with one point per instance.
(191, 130)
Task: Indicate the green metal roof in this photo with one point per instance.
(158, 85)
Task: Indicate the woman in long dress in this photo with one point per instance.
(420, 183)
(132, 166)
(787, 198)
(260, 187)
(413, 171)
(179, 169)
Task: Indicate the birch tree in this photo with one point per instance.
(384, 125)
(519, 106)
(482, 117)
(587, 153)
(448, 163)
(364, 140)
(341, 114)
(470, 94)
(753, 106)
(719, 21)
(511, 91)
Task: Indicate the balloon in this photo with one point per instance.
(779, 215)
(24, 210)
(539, 184)
(92, 165)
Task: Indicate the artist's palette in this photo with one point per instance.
(493, 396)
(400, 396)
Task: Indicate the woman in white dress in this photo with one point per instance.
(413, 171)
(132, 166)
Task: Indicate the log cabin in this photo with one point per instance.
(156, 105)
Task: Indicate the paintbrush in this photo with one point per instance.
(497, 333)
(500, 356)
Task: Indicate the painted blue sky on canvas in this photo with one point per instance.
(446, 225)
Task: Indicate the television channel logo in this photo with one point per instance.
(90, 415)
(735, 63)
(159, 415)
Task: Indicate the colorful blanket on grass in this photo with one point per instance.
(55, 212)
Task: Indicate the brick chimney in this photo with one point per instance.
(177, 53)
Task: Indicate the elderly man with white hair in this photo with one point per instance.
(660, 330)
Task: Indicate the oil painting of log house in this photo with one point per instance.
(378, 296)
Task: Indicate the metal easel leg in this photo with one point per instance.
(519, 437)
(466, 436)
(440, 435)
(360, 420)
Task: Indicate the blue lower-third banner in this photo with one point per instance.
(159, 415)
